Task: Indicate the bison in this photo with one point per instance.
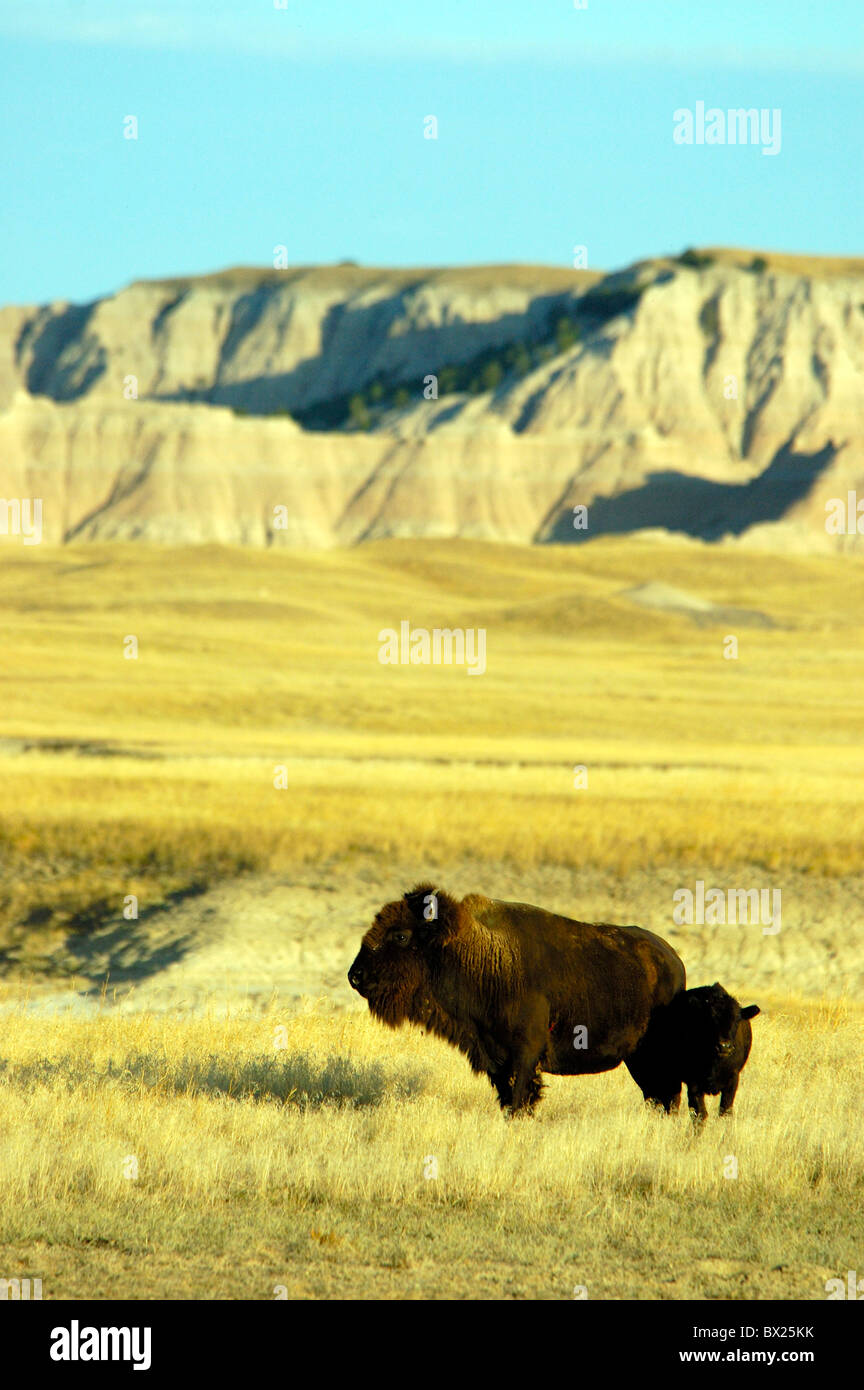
(522, 991)
(706, 1041)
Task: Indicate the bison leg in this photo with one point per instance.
(657, 1089)
(502, 1080)
(666, 1100)
(727, 1096)
(696, 1102)
(528, 1085)
(668, 1104)
(530, 1043)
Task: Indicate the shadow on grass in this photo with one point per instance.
(297, 1079)
(103, 949)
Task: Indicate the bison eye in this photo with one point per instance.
(401, 938)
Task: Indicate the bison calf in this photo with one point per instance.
(709, 1038)
(520, 991)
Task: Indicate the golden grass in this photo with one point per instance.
(252, 660)
(790, 262)
(543, 278)
(292, 1150)
(301, 1166)
(351, 278)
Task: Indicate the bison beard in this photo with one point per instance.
(521, 991)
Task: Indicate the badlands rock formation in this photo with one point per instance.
(707, 397)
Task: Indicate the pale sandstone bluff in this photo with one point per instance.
(712, 400)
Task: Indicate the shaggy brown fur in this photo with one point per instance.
(521, 991)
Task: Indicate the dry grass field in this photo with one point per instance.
(296, 1159)
(209, 1158)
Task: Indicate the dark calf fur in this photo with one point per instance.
(707, 1038)
(512, 986)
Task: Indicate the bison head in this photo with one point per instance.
(396, 965)
(713, 1018)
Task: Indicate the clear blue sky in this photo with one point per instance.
(303, 126)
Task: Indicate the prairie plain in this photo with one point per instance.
(193, 1104)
